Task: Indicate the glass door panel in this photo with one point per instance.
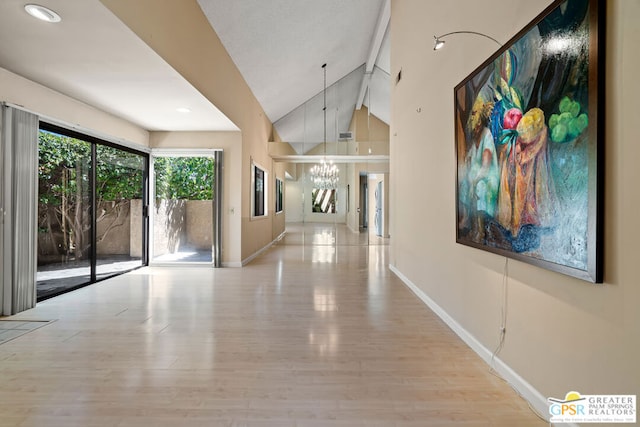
(183, 209)
(64, 213)
(119, 210)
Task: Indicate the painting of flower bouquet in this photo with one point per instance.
(528, 145)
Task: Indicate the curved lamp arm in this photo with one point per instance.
(438, 43)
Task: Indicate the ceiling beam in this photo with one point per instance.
(364, 85)
(376, 42)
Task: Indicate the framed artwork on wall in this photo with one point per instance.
(258, 191)
(279, 195)
(528, 140)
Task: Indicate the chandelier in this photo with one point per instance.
(325, 175)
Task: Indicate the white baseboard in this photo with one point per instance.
(236, 264)
(259, 251)
(526, 390)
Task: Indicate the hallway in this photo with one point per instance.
(311, 333)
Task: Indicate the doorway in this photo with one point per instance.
(183, 212)
(374, 207)
(363, 217)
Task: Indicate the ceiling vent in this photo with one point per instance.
(345, 136)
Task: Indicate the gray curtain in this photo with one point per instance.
(18, 198)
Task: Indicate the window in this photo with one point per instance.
(258, 188)
(323, 200)
(279, 191)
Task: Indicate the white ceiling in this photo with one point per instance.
(279, 47)
(93, 57)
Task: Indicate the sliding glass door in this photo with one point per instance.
(91, 221)
(119, 210)
(64, 213)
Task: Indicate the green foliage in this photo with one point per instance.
(61, 162)
(64, 172)
(188, 178)
(118, 174)
(64, 160)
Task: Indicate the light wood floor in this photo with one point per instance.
(306, 335)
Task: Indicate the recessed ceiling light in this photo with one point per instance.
(42, 13)
(183, 110)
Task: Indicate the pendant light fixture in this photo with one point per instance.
(325, 175)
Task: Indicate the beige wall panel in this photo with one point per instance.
(370, 133)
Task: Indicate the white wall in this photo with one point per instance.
(293, 196)
(562, 333)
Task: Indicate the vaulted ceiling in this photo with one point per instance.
(278, 46)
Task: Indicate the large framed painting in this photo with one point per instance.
(528, 130)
